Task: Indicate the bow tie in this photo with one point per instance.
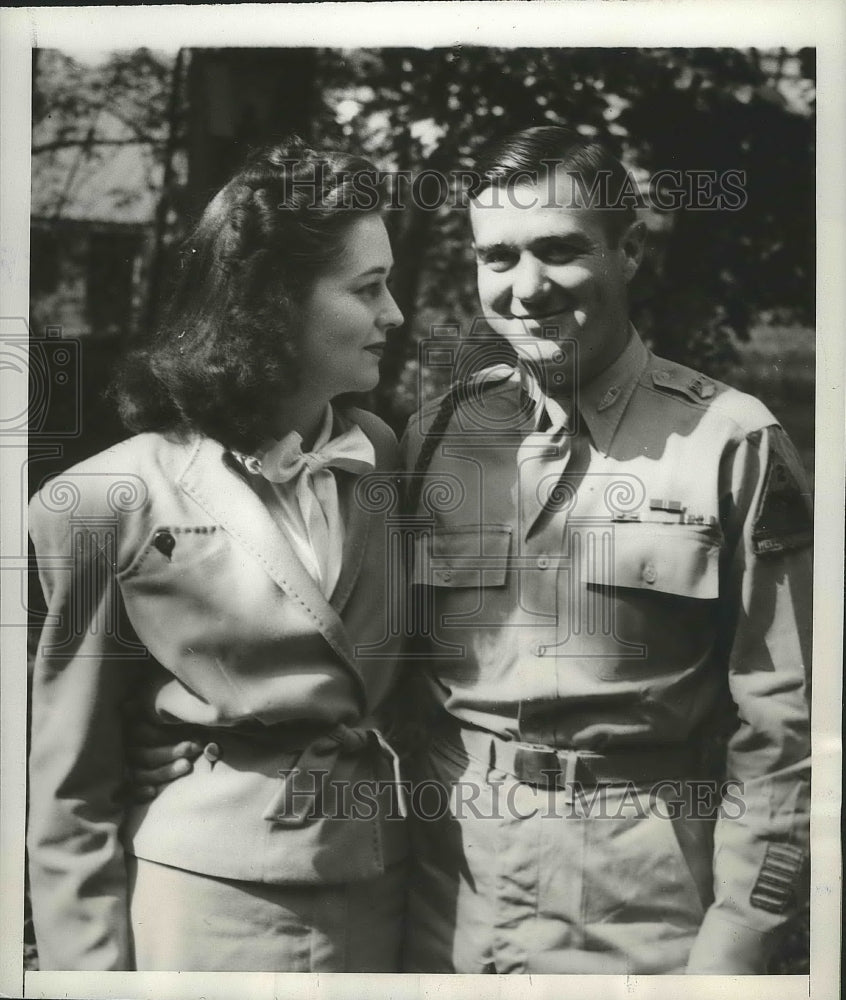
(520, 375)
(351, 451)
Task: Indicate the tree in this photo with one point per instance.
(700, 110)
(708, 273)
(238, 99)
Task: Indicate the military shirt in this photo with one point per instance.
(605, 584)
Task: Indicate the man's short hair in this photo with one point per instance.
(532, 154)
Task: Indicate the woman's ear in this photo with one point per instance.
(632, 244)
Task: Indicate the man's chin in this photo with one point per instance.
(542, 349)
(553, 329)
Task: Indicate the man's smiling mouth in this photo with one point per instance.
(535, 317)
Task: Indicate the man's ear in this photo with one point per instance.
(632, 244)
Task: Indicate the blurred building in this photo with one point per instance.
(92, 226)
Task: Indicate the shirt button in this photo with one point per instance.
(211, 751)
(650, 574)
(543, 562)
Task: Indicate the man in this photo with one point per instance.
(612, 568)
(619, 567)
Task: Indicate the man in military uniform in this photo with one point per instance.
(617, 566)
(612, 566)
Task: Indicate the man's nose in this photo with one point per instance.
(529, 279)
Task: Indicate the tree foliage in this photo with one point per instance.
(84, 115)
(708, 273)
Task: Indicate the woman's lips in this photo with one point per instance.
(376, 349)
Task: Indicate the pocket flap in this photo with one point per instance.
(672, 559)
(174, 549)
(473, 555)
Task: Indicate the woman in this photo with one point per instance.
(223, 567)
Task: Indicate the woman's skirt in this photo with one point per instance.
(184, 921)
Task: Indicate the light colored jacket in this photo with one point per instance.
(166, 579)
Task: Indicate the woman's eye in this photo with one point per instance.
(371, 290)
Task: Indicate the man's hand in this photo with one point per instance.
(153, 761)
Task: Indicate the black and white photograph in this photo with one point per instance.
(423, 466)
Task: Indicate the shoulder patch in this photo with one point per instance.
(685, 382)
(775, 888)
(783, 519)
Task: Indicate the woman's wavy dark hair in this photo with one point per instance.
(228, 347)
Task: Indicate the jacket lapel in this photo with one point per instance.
(226, 498)
(356, 533)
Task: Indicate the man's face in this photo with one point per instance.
(549, 274)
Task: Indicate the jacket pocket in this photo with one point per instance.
(473, 555)
(667, 558)
(174, 548)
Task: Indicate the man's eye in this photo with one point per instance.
(499, 261)
(559, 255)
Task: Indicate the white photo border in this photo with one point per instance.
(638, 23)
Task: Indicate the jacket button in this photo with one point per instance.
(211, 751)
(446, 574)
(540, 649)
(164, 542)
(650, 574)
(543, 562)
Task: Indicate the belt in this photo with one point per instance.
(353, 739)
(555, 767)
(292, 807)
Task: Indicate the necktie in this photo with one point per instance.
(541, 469)
(309, 475)
(285, 460)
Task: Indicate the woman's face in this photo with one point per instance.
(348, 312)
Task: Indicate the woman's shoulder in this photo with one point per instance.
(115, 481)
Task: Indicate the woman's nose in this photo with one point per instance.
(391, 316)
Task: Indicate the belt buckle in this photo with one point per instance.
(571, 760)
(537, 766)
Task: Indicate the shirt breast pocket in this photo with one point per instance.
(652, 589)
(662, 558)
(465, 565)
